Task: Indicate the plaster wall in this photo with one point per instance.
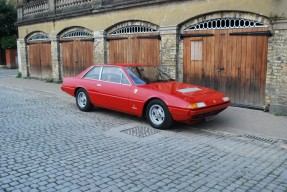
(167, 14)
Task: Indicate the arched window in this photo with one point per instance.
(224, 23)
(39, 36)
(78, 33)
(133, 29)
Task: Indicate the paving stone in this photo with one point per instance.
(47, 144)
(65, 189)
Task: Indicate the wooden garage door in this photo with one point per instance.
(231, 61)
(40, 59)
(77, 55)
(135, 49)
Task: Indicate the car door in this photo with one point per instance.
(113, 89)
(91, 79)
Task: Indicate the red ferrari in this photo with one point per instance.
(144, 90)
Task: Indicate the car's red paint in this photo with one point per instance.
(133, 98)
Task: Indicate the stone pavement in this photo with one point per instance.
(47, 144)
(8, 72)
(233, 120)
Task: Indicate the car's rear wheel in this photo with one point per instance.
(158, 115)
(83, 100)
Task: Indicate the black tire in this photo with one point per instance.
(83, 100)
(158, 114)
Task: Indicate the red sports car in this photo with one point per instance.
(144, 90)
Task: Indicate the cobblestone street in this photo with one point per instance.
(47, 144)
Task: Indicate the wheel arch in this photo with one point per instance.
(147, 102)
(76, 90)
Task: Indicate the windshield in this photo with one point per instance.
(145, 75)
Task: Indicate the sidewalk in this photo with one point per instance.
(233, 120)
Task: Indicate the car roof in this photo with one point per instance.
(124, 65)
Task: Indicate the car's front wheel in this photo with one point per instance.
(158, 115)
(83, 100)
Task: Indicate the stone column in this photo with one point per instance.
(97, 3)
(169, 50)
(22, 57)
(100, 47)
(20, 13)
(276, 80)
(52, 6)
(55, 49)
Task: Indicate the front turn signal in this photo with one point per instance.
(196, 105)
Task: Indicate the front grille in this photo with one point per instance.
(207, 114)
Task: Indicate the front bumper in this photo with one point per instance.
(188, 115)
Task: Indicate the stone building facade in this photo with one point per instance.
(170, 28)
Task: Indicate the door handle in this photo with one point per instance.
(99, 85)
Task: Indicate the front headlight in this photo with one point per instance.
(196, 105)
(225, 99)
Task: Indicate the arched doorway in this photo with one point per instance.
(134, 42)
(39, 55)
(228, 54)
(77, 50)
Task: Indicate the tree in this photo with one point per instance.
(8, 31)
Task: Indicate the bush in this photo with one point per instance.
(19, 75)
(8, 31)
(8, 42)
(49, 80)
(8, 16)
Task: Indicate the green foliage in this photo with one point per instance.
(19, 75)
(58, 81)
(49, 80)
(8, 31)
(8, 16)
(8, 42)
(279, 114)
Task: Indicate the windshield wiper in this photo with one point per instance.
(149, 82)
(166, 80)
(160, 81)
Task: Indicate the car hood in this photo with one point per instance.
(189, 92)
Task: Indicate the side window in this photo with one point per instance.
(124, 80)
(115, 75)
(94, 73)
(111, 74)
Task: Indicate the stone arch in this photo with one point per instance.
(128, 23)
(212, 68)
(130, 41)
(37, 36)
(225, 14)
(39, 55)
(211, 16)
(76, 50)
(79, 32)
